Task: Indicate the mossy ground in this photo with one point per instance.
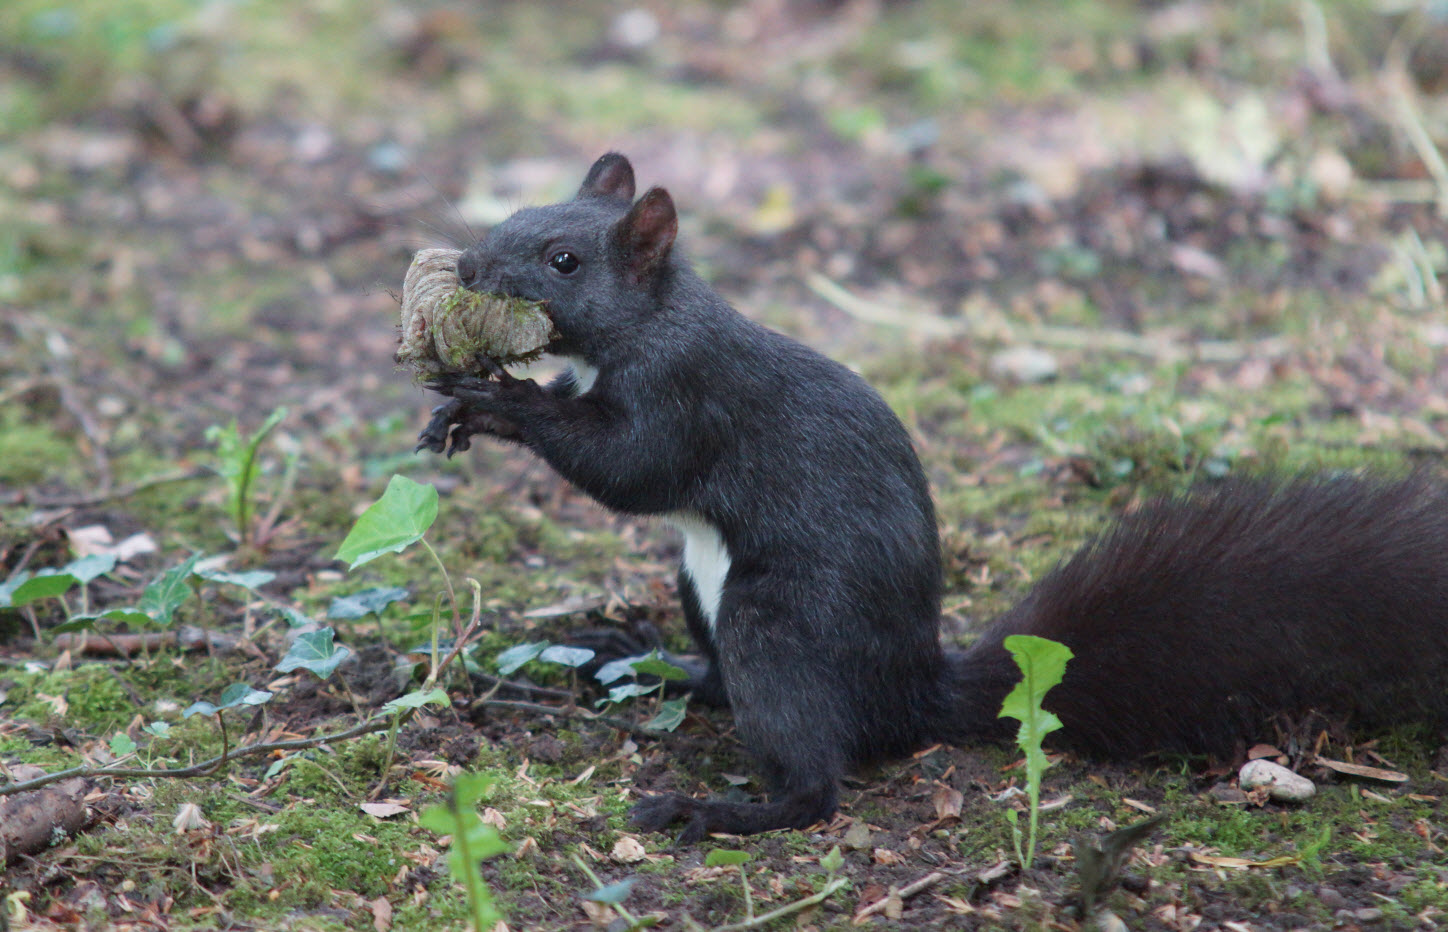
(1216, 219)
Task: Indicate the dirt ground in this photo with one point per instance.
(1088, 251)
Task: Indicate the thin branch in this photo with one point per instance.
(576, 712)
(904, 893)
(98, 498)
(196, 770)
(766, 918)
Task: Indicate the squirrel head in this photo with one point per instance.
(599, 262)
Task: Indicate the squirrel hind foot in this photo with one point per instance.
(709, 816)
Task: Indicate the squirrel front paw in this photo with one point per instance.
(454, 423)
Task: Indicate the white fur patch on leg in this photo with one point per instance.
(706, 560)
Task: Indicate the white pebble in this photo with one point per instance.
(1024, 364)
(1282, 784)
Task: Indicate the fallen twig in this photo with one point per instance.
(754, 922)
(904, 893)
(196, 770)
(99, 498)
(576, 712)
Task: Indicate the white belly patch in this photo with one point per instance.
(584, 375)
(706, 560)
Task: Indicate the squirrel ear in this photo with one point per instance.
(611, 177)
(645, 235)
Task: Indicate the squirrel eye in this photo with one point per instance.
(565, 263)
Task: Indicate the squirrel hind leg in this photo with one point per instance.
(702, 817)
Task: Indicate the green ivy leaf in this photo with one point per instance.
(121, 744)
(252, 580)
(46, 584)
(315, 651)
(416, 699)
(671, 715)
(391, 524)
(87, 622)
(566, 656)
(726, 857)
(366, 602)
(614, 893)
(630, 690)
(833, 861)
(168, 591)
(616, 670)
(514, 657)
(88, 568)
(237, 694)
(654, 665)
(294, 618)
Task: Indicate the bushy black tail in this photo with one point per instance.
(1195, 620)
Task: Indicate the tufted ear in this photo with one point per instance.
(643, 238)
(611, 177)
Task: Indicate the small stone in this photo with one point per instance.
(1025, 364)
(1281, 784)
(1226, 795)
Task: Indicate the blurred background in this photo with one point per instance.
(205, 206)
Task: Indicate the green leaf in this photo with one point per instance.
(614, 893)
(833, 861)
(158, 729)
(252, 580)
(727, 857)
(416, 699)
(630, 690)
(88, 568)
(8, 587)
(471, 788)
(294, 618)
(1043, 664)
(671, 715)
(87, 622)
(46, 584)
(237, 694)
(366, 602)
(237, 463)
(121, 744)
(514, 657)
(241, 694)
(168, 591)
(393, 523)
(315, 651)
(566, 656)
(616, 670)
(654, 665)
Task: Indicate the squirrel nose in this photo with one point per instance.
(470, 268)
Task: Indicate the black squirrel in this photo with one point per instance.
(811, 577)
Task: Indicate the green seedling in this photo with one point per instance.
(238, 464)
(1099, 861)
(668, 713)
(724, 857)
(613, 895)
(473, 842)
(1043, 664)
(396, 521)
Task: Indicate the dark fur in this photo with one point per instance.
(1194, 621)
(1189, 621)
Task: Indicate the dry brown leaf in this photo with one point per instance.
(381, 914)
